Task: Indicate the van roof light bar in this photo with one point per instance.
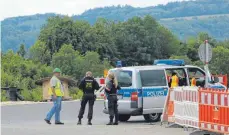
(172, 62)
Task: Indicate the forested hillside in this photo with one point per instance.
(22, 30)
(170, 10)
(25, 30)
(214, 25)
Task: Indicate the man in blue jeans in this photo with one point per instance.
(57, 92)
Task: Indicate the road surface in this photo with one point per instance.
(28, 120)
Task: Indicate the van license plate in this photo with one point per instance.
(119, 96)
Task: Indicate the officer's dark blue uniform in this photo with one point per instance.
(88, 85)
(111, 92)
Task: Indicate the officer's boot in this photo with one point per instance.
(79, 122)
(111, 120)
(116, 120)
(89, 122)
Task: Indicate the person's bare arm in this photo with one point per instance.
(53, 83)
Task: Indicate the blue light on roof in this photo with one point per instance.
(169, 62)
(119, 64)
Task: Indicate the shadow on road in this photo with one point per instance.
(140, 122)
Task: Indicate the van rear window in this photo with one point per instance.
(124, 77)
(153, 78)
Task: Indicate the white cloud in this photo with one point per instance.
(12, 8)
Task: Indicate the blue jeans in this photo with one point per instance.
(55, 109)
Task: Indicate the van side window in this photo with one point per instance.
(198, 74)
(153, 78)
(181, 74)
(124, 78)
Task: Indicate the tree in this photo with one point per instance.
(104, 39)
(202, 36)
(140, 41)
(91, 62)
(22, 51)
(40, 53)
(220, 60)
(67, 59)
(75, 65)
(193, 46)
(56, 32)
(225, 44)
(137, 41)
(185, 58)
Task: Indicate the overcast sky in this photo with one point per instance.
(12, 8)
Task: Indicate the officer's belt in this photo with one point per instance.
(112, 94)
(88, 93)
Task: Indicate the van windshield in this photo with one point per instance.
(124, 77)
(153, 78)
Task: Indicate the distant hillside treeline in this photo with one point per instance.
(216, 26)
(22, 30)
(170, 10)
(25, 30)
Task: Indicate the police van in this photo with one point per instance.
(144, 88)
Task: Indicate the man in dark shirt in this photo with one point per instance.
(88, 85)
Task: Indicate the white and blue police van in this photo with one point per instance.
(144, 88)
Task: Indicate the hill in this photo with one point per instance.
(203, 15)
(22, 30)
(184, 27)
(170, 10)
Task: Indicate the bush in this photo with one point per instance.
(37, 94)
(22, 73)
(75, 93)
(4, 96)
(27, 95)
(33, 95)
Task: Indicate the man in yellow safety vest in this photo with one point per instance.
(174, 80)
(57, 92)
(193, 80)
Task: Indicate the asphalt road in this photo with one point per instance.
(28, 120)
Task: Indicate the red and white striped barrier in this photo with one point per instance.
(101, 82)
(178, 105)
(191, 107)
(214, 110)
(205, 109)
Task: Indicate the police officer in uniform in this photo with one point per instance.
(111, 93)
(88, 85)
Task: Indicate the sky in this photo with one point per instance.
(13, 8)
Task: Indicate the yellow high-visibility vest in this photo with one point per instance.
(193, 82)
(175, 81)
(57, 89)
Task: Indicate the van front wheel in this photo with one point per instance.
(123, 117)
(154, 117)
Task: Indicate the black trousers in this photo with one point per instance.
(87, 98)
(113, 107)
